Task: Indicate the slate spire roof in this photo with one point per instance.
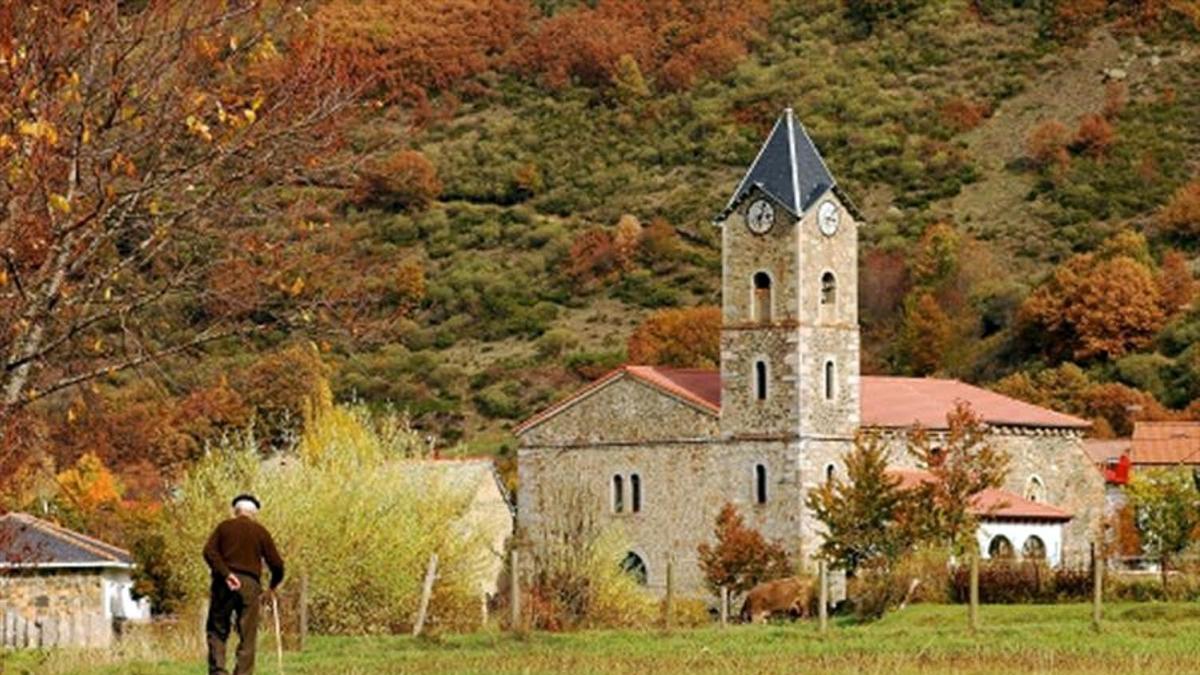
(788, 168)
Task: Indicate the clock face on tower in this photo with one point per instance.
(760, 217)
(827, 218)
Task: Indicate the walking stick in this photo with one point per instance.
(278, 632)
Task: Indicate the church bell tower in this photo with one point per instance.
(790, 338)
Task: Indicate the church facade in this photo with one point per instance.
(661, 450)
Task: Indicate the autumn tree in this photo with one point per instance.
(1095, 308)
(402, 180)
(962, 462)
(414, 50)
(740, 557)
(1176, 285)
(1166, 508)
(863, 515)
(681, 338)
(593, 258)
(134, 138)
(1047, 144)
(925, 334)
(614, 43)
(1094, 136)
(1181, 215)
(627, 239)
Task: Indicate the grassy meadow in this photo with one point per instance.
(1142, 638)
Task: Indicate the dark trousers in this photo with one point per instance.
(224, 604)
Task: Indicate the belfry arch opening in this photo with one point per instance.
(762, 297)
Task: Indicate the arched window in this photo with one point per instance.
(1035, 490)
(760, 484)
(760, 380)
(830, 472)
(635, 493)
(1000, 547)
(762, 297)
(828, 289)
(1034, 548)
(829, 380)
(634, 566)
(618, 494)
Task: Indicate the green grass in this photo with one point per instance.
(1156, 637)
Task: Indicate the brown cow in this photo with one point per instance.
(792, 595)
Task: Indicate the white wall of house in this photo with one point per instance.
(118, 598)
(1020, 532)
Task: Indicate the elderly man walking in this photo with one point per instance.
(235, 553)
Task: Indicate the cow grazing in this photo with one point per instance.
(792, 595)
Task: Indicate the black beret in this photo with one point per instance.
(247, 497)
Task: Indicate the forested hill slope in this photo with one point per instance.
(531, 181)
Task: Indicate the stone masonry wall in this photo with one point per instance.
(626, 410)
(683, 486)
(47, 609)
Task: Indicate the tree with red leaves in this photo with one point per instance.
(741, 557)
(135, 139)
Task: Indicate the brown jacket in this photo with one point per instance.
(241, 545)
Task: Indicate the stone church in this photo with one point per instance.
(661, 450)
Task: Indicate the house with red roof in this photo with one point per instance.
(658, 451)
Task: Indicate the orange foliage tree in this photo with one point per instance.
(159, 128)
(1047, 144)
(925, 334)
(672, 41)
(740, 557)
(405, 179)
(414, 48)
(1094, 136)
(1175, 283)
(682, 338)
(593, 257)
(1181, 215)
(1095, 308)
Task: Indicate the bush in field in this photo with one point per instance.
(1094, 136)
(1047, 144)
(740, 556)
(577, 577)
(1181, 216)
(680, 338)
(403, 180)
(351, 515)
(1017, 582)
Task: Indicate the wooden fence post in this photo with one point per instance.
(426, 591)
(514, 590)
(823, 595)
(724, 606)
(302, 611)
(1097, 587)
(668, 605)
(974, 599)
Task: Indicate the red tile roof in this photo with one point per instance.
(898, 402)
(1165, 443)
(905, 401)
(992, 503)
(1104, 450)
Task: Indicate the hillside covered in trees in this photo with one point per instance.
(512, 196)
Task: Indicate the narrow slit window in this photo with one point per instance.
(762, 297)
(635, 493)
(828, 289)
(830, 472)
(760, 484)
(618, 494)
(760, 380)
(829, 379)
